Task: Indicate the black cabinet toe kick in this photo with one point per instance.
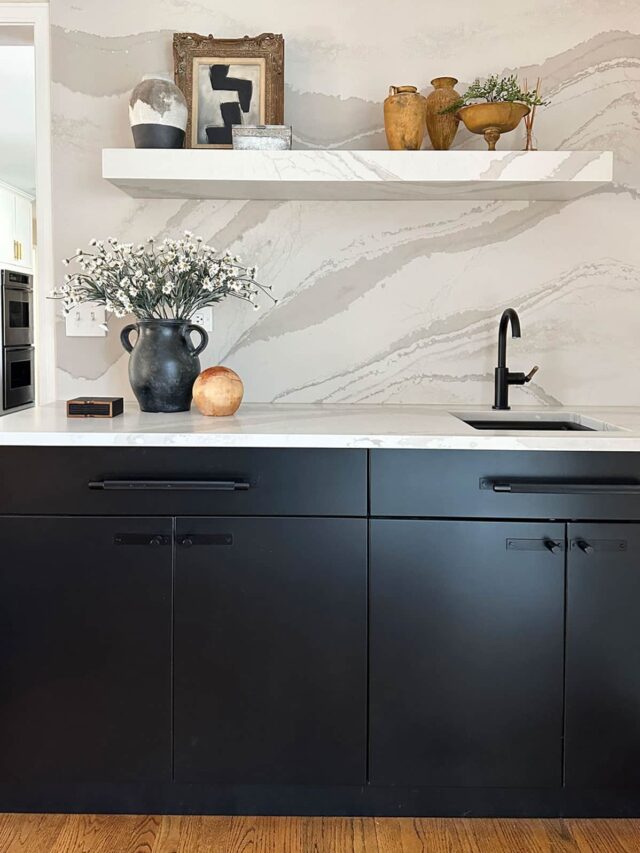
(319, 632)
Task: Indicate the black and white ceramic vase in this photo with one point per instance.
(157, 113)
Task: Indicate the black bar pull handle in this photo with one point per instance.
(536, 487)
(170, 485)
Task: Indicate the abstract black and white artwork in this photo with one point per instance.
(226, 92)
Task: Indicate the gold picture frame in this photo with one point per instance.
(251, 70)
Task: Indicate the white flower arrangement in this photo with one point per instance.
(172, 280)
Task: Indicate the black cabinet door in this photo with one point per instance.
(603, 656)
(270, 650)
(466, 653)
(85, 649)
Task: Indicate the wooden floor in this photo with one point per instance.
(149, 834)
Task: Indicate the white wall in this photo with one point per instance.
(390, 301)
(17, 108)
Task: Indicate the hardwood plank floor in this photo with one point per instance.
(180, 834)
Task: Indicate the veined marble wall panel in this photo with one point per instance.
(385, 302)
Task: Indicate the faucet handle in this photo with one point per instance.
(531, 373)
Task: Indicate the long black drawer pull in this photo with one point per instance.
(539, 488)
(170, 485)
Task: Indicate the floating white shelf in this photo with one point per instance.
(356, 175)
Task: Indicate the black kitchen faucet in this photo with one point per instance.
(503, 376)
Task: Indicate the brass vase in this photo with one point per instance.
(493, 119)
(404, 118)
(442, 128)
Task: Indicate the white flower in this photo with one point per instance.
(128, 278)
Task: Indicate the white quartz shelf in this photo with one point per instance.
(323, 426)
(357, 175)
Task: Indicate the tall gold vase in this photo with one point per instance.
(442, 128)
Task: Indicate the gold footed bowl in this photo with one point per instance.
(492, 120)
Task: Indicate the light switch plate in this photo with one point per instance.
(85, 321)
(204, 318)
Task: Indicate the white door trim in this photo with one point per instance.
(37, 15)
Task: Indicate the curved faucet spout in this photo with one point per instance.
(503, 376)
(508, 316)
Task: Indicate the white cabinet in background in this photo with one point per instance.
(7, 220)
(23, 225)
(16, 228)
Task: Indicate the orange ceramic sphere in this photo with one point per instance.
(218, 392)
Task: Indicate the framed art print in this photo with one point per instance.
(228, 82)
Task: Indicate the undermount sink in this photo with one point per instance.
(530, 421)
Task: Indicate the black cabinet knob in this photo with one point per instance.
(155, 540)
(552, 546)
(187, 542)
(584, 546)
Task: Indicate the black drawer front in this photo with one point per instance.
(180, 481)
(505, 484)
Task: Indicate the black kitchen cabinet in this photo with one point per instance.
(85, 649)
(270, 650)
(273, 631)
(466, 672)
(603, 656)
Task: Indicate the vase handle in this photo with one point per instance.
(124, 336)
(195, 351)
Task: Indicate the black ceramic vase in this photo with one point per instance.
(164, 363)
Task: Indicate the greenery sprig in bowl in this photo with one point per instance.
(495, 106)
(496, 90)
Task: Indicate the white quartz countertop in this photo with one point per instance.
(339, 426)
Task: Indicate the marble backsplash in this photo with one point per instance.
(385, 302)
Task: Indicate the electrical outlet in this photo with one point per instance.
(204, 318)
(85, 321)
